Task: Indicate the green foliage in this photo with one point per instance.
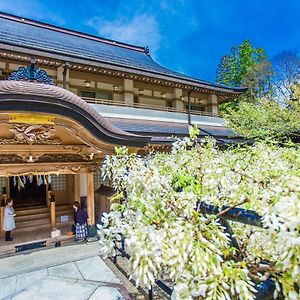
(246, 66)
(296, 93)
(265, 119)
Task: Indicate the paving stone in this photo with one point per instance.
(27, 279)
(7, 287)
(58, 274)
(47, 289)
(95, 269)
(107, 293)
(46, 258)
(66, 270)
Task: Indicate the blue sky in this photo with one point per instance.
(189, 36)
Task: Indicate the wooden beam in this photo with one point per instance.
(46, 168)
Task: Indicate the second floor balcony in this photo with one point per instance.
(153, 111)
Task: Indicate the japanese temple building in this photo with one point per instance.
(67, 98)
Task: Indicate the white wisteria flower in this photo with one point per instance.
(167, 235)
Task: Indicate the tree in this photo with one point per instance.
(259, 81)
(287, 73)
(266, 119)
(166, 234)
(247, 66)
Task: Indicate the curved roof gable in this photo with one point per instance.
(38, 97)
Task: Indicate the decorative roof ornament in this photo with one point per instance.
(31, 73)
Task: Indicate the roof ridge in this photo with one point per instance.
(44, 25)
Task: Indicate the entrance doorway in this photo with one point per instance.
(28, 193)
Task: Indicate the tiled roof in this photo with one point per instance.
(168, 129)
(28, 34)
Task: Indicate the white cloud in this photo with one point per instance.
(30, 9)
(141, 30)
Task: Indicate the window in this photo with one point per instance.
(2, 183)
(97, 180)
(96, 95)
(169, 104)
(86, 94)
(59, 183)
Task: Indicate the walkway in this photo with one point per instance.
(70, 272)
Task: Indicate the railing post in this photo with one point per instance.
(52, 213)
(150, 293)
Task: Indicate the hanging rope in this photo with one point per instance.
(20, 183)
(15, 181)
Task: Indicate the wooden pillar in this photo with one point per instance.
(90, 198)
(212, 105)
(177, 102)
(91, 203)
(128, 91)
(2, 206)
(52, 214)
(76, 188)
(1, 220)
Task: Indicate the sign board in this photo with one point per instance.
(31, 119)
(64, 218)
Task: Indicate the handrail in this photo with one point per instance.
(146, 106)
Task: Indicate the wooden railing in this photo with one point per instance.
(150, 107)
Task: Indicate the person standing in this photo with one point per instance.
(81, 219)
(9, 219)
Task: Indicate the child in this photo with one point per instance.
(9, 219)
(81, 218)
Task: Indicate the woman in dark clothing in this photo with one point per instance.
(81, 219)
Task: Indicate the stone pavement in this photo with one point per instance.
(72, 272)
